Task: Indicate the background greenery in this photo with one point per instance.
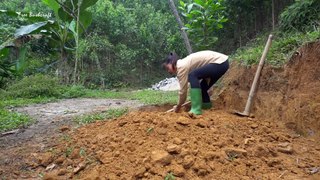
(127, 40)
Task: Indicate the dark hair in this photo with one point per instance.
(172, 58)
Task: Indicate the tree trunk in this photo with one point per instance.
(183, 32)
(273, 16)
(100, 72)
(62, 70)
(77, 44)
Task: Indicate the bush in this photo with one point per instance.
(301, 16)
(282, 48)
(34, 86)
(74, 91)
(2, 94)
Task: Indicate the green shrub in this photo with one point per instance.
(2, 94)
(301, 16)
(282, 48)
(34, 86)
(73, 91)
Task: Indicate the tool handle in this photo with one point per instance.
(184, 104)
(257, 75)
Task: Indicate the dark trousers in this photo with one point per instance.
(210, 71)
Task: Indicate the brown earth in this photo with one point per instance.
(281, 142)
(288, 94)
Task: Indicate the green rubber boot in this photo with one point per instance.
(196, 101)
(207, 105)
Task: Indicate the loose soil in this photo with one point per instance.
(280, 142)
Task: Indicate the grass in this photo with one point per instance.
(148, 97)
(282, 48)
(17, 102)
(11, 120)
(112, 113)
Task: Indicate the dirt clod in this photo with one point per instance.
(160, 156)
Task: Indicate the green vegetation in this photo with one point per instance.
(204, 19)
(121, 48)
(283, 46)
(109, 114)
(299, 24)
(34, 86)
(301, 16)
(10, 120)
(43, 89)
(170, 176)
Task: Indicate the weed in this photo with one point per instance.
(112, 113)
(53, 151)
(66, 138)
(69, 151)
(82, 152)
(10, 120)
(41, 175)
(149, 130)
(232, 156)
(170, 176)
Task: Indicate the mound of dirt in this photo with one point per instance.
(289, 94)
(155, 145)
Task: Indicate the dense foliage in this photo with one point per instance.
(301, 16)
(127, 40)
(204, 20)
(299, 24)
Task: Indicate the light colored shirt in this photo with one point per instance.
(192, 62)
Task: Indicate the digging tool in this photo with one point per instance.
(184, 104)
(246, 111)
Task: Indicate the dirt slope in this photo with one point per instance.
(281, 142)
(289, 94)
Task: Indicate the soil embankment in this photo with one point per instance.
(289, 94)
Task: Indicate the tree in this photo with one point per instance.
(204, 19)
(73, 16)
(183, 32)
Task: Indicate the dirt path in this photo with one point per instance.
(51, 119)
